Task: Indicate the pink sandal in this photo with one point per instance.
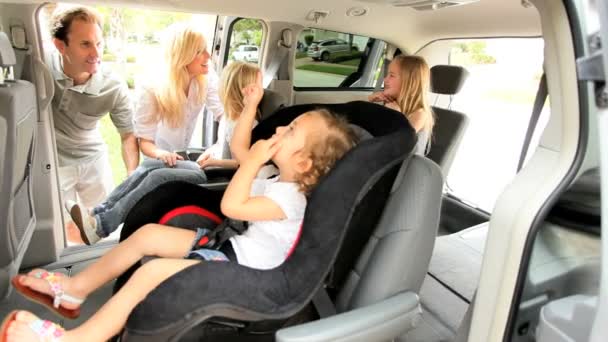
(52, 302)
(46, 330)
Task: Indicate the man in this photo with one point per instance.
(83, 95)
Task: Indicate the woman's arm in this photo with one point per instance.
(237, 202)
(208, 161)
(241, 139)
(145, 128)
(212, 101)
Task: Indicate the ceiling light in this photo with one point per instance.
(356, 12)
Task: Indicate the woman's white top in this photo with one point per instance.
(178, 138)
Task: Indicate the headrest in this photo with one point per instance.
(271, 102)
(7, 54)
(377, 120)
(447, 79)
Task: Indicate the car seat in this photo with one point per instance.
(450, 125)
(17, 143)
(380, 204)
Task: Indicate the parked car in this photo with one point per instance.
(329, 49)
(247, 53)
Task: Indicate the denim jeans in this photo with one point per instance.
(147, 177)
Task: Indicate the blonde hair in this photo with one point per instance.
(182, 44)
(415, 86)
(235, 77)
(325, 148)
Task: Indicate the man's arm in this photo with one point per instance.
(130, 151)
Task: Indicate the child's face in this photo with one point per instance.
(292, 140)
(392, 81)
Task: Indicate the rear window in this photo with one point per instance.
(498, 98)
(330, 59)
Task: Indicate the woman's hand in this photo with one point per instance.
(252, 93)
(170, 159)
(262, 151)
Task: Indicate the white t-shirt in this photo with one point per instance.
(266, 244)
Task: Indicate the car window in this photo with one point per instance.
(498, 98)
(330, 59)
(245, 39)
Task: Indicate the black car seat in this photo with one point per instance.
(367, 236)
(17, 133)
(450, 125)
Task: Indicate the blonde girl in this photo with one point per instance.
(406, 89)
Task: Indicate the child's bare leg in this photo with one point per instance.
(150, 240)
(112, 316)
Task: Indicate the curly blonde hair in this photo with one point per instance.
(326, 148)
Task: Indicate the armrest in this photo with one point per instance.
(378, 322)
(219, 173)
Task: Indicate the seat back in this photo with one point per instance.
(17, 133)
(270, 103)
(450, 125)
(396, 256)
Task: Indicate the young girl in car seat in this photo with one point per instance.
(406, 88)
(106, 217)
(303, 151)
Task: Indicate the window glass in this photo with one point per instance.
(245, 41)
(498, 98)
(332, 59)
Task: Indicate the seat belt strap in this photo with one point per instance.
(539, 102)
(273, 68)
(323, 304)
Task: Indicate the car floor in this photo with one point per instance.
(17, 302)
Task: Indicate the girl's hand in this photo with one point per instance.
(378, 97)
(252, 93)
(170, 159)
(207, 161)
(263, 150)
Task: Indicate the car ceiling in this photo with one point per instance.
(405, 27)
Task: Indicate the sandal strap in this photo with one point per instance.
(59, 295)
(47, 330)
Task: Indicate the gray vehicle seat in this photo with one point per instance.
(17, 133)
(271, 102)
(392, 264)
(449, 125)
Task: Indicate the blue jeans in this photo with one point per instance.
(147, 177)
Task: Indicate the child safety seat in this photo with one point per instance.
(226, 300)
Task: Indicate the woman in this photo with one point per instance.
(406, 88)
(164, 121)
